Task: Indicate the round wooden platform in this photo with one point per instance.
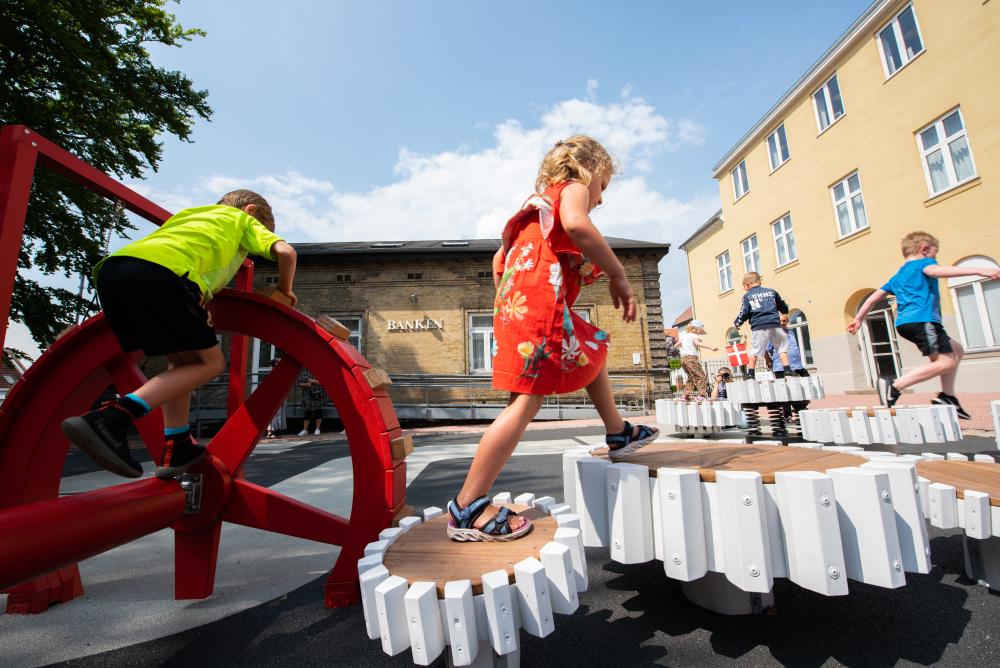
(426, 554)
(978, 476)
(763, 459)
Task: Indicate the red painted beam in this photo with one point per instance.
(43, 536)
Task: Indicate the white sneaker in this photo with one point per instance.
(316, 433)
(303, 433)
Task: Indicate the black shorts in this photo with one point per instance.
(929, 337)
(313, 414)
(150, 307)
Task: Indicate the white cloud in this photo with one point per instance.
(466, 193)
(626, 90)
(592, 89)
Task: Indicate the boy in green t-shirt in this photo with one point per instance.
(153, 293)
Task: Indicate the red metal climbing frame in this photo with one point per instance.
(43, 536)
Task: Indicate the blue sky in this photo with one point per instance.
(393, 119)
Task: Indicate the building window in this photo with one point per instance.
(584, 313)
(484, 274)
(784, 240)
(777, 147)
(849, 205)
(270, 280)
(945, 152)
(741, 185)
(415, 276)
(355, 323)
(899, 42)
(733, 336)
(828, 103)
(480, 343)
(800, 327)
(343, 278)
(751, 254)
(725, 272)
(977, 302)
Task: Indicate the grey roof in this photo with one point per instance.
(447, 247)
(717, 216)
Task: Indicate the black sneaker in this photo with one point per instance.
(750, 374)
(178, 457)
(943, 399)
(887, 393)
(103, 435)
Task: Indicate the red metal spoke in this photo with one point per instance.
(237, 438)
(196, 553)
(261, 508)
(127, 377)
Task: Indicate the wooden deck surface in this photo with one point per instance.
(711, 457)
(976, 476)
(426, 554)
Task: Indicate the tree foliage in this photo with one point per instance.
(79, 73)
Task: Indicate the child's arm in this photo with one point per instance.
(743, 314)
(498, 267)
(947, 271)
(699, 344)
(780, 303)
(575, 217)
(286, 258)
(863, 311)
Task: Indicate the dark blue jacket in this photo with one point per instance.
(761, 307)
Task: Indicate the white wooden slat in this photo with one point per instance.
(460, 618)
(568, 520)
(752, 392)
(654, 504)
(693, 415)
(868, 526)
(559, 509)
(776, 547)
(795, 392)
(430, 512)
(948, 426)
(841, 426)
(820, 386)
(715, 540)
(499, 605)
(571, 477)
(781, 390)
(930, 424)
(719, 414)
(995, 413)
(392, 614)
(592, 500)
(369, 579)
(682, 526)
(664, 412)
(629, 513)
(766, 390)
(886, 426)
(424, 617)
(707, 418)
(932, 456)
(391, 534)
(806, 422)
(860, 429)
(558, 564)
(747, 547)
(984, 458)
(573, 539)
(545, 504)
(923, 493)
(824, 427)
(843, 448)
(681, 415)
(877, 454)
(908, 426)
(378, 547)
(995, 524)
(956, 457)
(977, 515)
(910, 526)
(408, 523)
(526, 499)
(943, 504)
(815, 387)
(533, 597)
(369, 562)
(503, 498)
(811, 528)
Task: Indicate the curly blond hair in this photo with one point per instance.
(241, 198)
(577, 158)
(914, 241)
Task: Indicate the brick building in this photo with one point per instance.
(423, 311)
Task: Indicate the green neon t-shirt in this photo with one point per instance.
(207, 244)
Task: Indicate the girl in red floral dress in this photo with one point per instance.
(550, 248)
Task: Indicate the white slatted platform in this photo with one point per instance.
(751, 514)
(694, 417)
(779, 390)
(910, 425)
(423, 592)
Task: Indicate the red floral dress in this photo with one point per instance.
(542, 346)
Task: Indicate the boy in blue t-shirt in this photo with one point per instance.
(918, 318)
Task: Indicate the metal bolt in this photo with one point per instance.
(458, 649)
(27, 132)
(413, 621)
(34, 144)
(897, 565)
(833, 572)
(503, 610)
(885, 496)
(618, 545)
(506, 637)
(747, 501)
(753, 570)
(613, 487)
(825, 500)
(677, 559)
(671, 495)
(418, 647)
(457, 622)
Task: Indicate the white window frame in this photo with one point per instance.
(777, 146)
(808, 359)
(487, 334)
(943, 143)
(739, 179)
(848, 199)
(751, 254)
(783, 239)
(977, 290)
(356, 334)
(724, 267)
(829, 104)
(897, 32)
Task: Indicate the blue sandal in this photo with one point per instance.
(497, 530)
(623, 445)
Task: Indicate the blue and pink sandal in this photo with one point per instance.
(623, 445)
(497, 530)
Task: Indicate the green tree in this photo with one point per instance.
(79, 72)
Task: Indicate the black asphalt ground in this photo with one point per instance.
(630, 616)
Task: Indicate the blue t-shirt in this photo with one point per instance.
(917, 296)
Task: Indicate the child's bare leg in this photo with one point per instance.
(948, 377)
(941, 364)
(187, 371)
(494, 450)
(784, 360)
(604, 401)
(751, 361)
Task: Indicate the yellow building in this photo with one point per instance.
(896, 128)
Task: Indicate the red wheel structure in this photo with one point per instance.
(44, 536)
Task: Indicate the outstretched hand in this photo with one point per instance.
(621, 296)
(854, 326)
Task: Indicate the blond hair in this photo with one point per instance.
(914, 241)
(243, 198)
(751, 277)
(694, 329)
(577, 158)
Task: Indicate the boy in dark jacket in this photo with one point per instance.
(762, 306)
